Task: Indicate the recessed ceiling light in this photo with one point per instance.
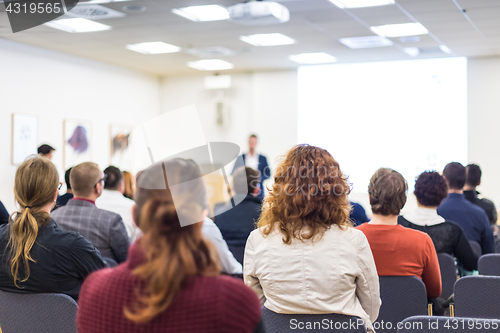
(360, 3)
(412, 51)
(153, 48)
(399, 30)
(210, 64)
(365, 42)
(409, 39)
(77, 25)
(312, 58)
(445, 49)
(268, 39)
(203, 13)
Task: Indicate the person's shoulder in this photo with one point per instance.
(101, 282)
(234, 289)
(108, 215)
(418, 236)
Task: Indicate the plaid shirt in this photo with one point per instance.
(105, 230)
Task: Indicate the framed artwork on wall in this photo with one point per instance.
(24, 136)
(77, 143)
(119, 146)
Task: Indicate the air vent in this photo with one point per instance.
(93, 12)
(211, 52)
(134, 9)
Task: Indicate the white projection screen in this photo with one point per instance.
(407, 115)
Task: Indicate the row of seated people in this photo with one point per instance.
(304, 258)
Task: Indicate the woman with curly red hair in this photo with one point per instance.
(305, 257)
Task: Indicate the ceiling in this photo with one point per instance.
(315, 24)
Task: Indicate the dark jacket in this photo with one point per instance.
(4, 215)
(104, 229)
(471, 218)
(449, 238)
(264, 170)
(358, 214)
(63, 261)
(62, 200)
(487, 205)
(237, 223)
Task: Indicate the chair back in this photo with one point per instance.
(489, 264)
(476, 247)
(477, 297)
(425, 324)
(497, 248)
(40, 313)
(448, 274)
(311, 323)
(402, 297)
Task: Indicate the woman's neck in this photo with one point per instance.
(384, 219)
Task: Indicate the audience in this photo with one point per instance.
(448, 237)
(112, 199)
(236, 223)
(104, 229)
(129, 181)
(398, 251)
(358, 214)
(473, 180)
(456, 208)
(46, 151)
(4, 214)
(305, 257)
(63, 199)
(37, 256)
(171, 281)
(255, 161)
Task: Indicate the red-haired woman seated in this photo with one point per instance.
(305, 257)
(171, 281)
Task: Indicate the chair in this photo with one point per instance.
(402, 297)
(448, 274)
(311, 323)
(489, 264)
(497, 248)
(40, 313)
(476, 248)
(477, 297)
(425, 324)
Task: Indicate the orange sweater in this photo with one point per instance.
(400, 251)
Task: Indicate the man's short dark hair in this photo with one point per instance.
(114, 179)
(253, 136)
(45, 149)
(246, 179)
(430, 189)
(66, 178)
(387, 191)
(472, 175)
(454, 173)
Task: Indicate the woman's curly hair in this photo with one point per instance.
(430, 189)
(308, 196)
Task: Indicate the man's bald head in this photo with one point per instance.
(84, 177)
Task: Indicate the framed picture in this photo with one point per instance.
(119, 146)
(24, 136)
(77, 136)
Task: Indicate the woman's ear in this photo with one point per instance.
(55, 195)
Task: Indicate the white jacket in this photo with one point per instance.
(335, 274)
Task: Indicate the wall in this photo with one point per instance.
(260, 103)
(56, 86)
(483, 122)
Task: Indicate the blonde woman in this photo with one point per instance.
(37, 256)
(306, 257)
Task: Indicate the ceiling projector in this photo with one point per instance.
(258, 13)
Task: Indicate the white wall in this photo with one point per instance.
(260, 103)
(56, 86)
(484, 122)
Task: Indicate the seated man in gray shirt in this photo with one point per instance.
(104, 229)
